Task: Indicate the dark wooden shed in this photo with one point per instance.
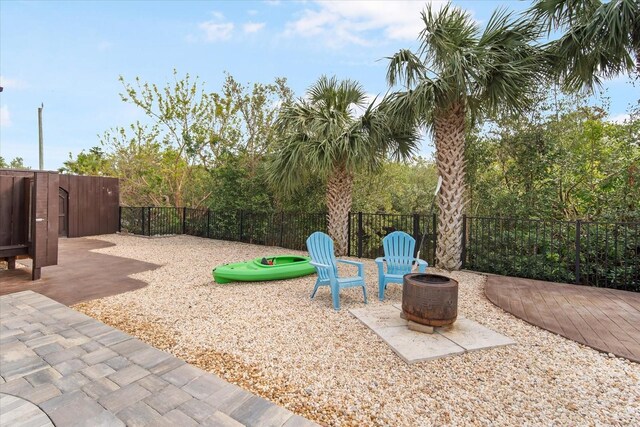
(38, 206)
(89, 205)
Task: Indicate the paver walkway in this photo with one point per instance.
(81, 372)
(68, 282)
(605, 319)
(15, 411)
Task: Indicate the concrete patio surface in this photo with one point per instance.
(412, 347)
(81, 372)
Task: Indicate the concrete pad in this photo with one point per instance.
(379, 316)
(412, 346)
(472, 336)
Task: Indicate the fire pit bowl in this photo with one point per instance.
(430, 299)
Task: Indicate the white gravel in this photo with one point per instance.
(271, 338)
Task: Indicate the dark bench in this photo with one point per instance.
(10, 252)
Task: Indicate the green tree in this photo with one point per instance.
(322, 136)
(94, 162)
(563, 160)
(239, 172)
(181, 118)
(459, 74)
(600, 39)
(399, 188)
(16, 163)
(192, 139)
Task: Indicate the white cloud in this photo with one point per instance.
(355, 21)
(273, 2)
(216, 29)
(253, 27)
(15, 84)
(5, 117)
(252, 12)
(218, 16)
(328, 26)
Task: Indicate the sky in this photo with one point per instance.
(67, 56)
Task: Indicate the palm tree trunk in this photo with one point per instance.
(339, 199)
(450, 140)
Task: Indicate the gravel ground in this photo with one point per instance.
(273, 340)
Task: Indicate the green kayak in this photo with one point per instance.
(263, 269)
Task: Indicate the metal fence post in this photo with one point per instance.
(119, 219)
(464, 240)
(184, 220)
(577, 261)
(149, 221)
(349, 234)
(360, 234)
(435, 236)
(281, 229)
(208, 223)
(241, 226)
(142, 230)
(416, 233)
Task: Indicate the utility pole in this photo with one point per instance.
(40, 136)
(1, 89)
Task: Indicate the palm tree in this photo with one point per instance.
(600, 39)
(459, 74)
(321, 136)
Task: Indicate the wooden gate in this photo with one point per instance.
(63, 213)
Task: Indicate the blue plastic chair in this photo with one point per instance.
(320, 247)
(398, 255)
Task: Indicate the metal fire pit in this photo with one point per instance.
(430, 299)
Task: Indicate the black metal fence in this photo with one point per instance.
(287, 230)
(581, 252)
(588, 253)
(367, 230)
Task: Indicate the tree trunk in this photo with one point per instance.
(339, 200)
(450, 140)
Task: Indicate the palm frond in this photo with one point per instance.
(553, 14)
(318, 134)
(599, 42)
(510, 64)
(405, 67)
(447, 36)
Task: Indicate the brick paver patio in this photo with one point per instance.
(605, 319)
(81, 372)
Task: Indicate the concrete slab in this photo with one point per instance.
(377, 317)
(472, 336)
(413, 347)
